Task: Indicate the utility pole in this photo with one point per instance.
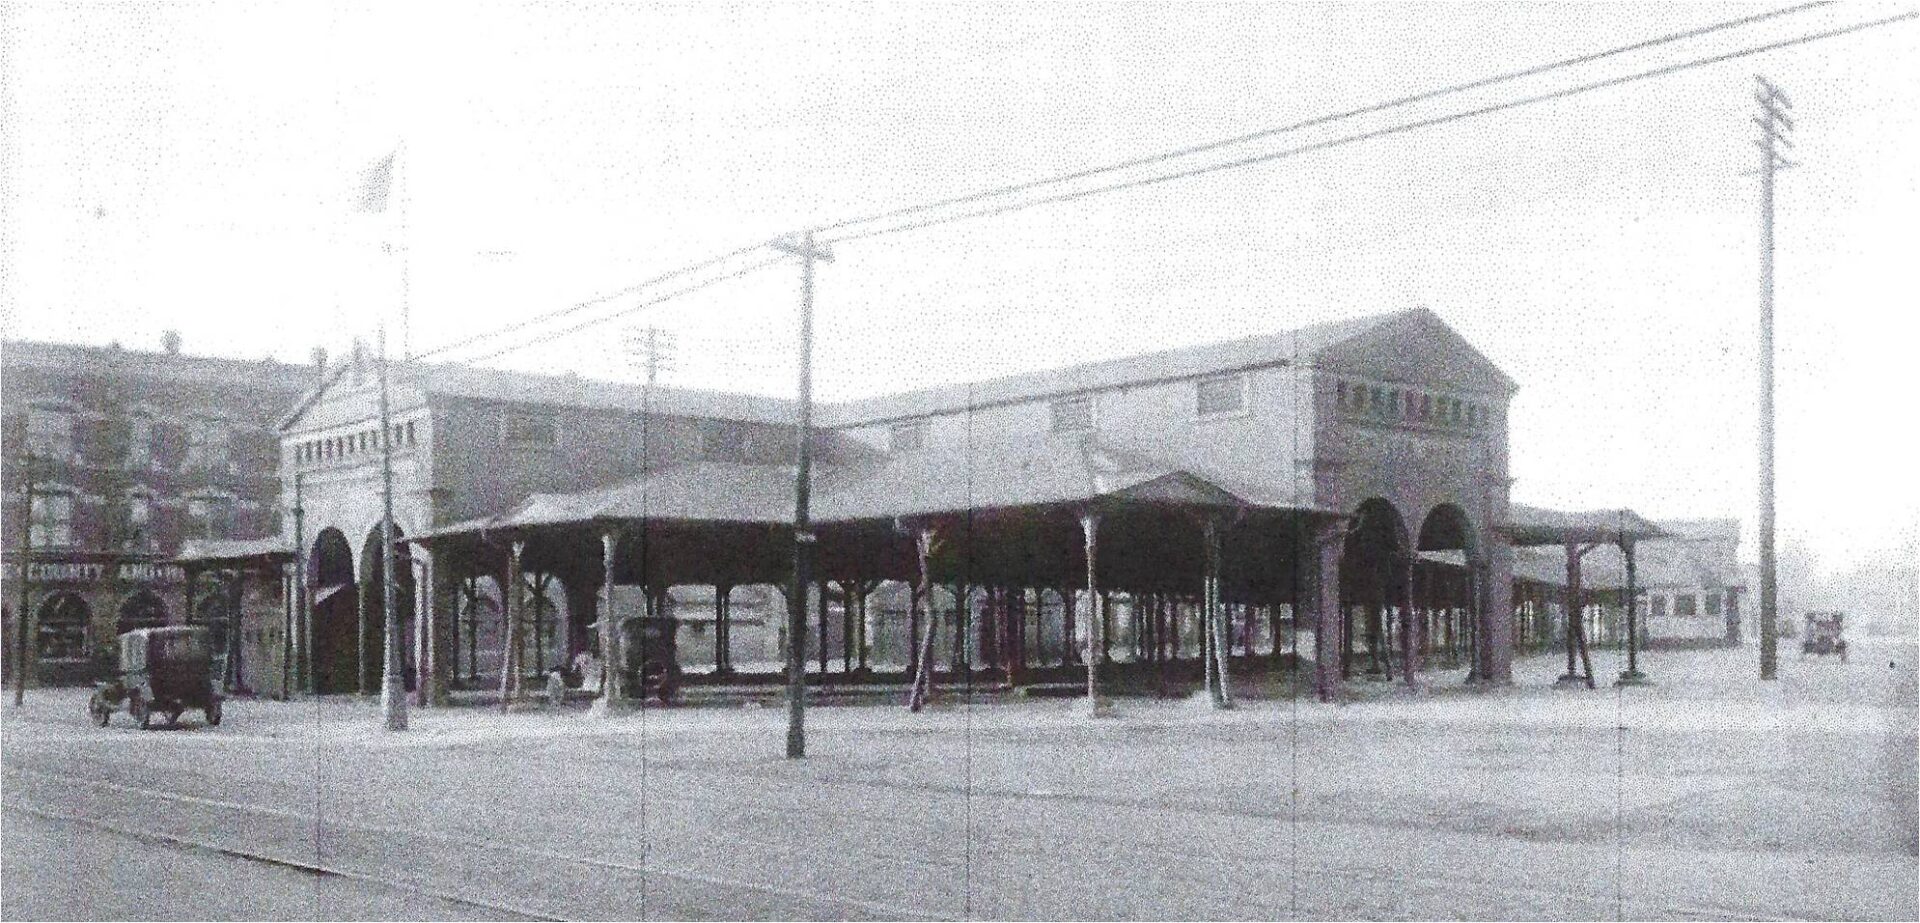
(393, 693)
(803, 537)
(1774, 123)
(653, 348)
(297, 645)
(21, 617)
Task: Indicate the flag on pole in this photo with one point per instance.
(375, 182)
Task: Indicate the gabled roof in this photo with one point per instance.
(566, 390)
(1267, 350)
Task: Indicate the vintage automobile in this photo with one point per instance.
(161, 671)
(652, 667)
(1823, 635)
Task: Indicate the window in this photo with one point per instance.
(1220, 396)
(1711, 602)
(1683, 605)
(139, 535)
(140, 441)
(1075, 415)
(722, 441)
(63, 628)
(1426, 406)
(410, 439)
(52, 525)
(1659, 605)
(1378, 402)
(207, 445)
(529, 429)
(49, 433)
(209, 516)
(910, 436)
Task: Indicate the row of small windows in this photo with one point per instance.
(1686, 605)
(351, 444)
(1415, 406)
(1225, 396)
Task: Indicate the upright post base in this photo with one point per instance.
(1633, 678)
(1569, 681)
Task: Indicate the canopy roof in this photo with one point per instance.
(931, 482)
(1532, 525)
(231, 551)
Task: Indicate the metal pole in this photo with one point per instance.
(300, 620)
(393, 693)
(803, 537)
(26, 591)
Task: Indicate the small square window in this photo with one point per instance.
(1426, 406)
(908, 436)
(1683, 605)
(1219, 396)
(1712, 603)
(1073, 415)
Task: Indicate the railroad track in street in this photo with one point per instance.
(1193, 873)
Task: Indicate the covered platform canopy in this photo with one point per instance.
(1580, 533)
(218, 553)
(1063, 514)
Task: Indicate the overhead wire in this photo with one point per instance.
(1399, 128)
(1423, 96)
(634, 309)
(579, 306)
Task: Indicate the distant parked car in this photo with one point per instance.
(161, 671)
(652, 667)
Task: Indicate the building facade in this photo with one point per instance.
(1695, 585)
(114, 459)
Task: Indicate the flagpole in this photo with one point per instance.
(406, 255)
(393, 694)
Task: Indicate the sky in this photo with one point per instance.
(194, 167)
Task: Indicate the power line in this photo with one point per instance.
(579, 306)
(642, 306)
(1324, 119)
(1400, 128)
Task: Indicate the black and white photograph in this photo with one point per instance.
(1063, 461)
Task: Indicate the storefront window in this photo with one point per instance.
(63, 628)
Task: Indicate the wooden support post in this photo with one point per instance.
(1216, 616)
(1408, 656)
(826, 652)
(923, 596)
(612, 663)
(1097, 702)
(1326, 544)
(514, 608)
(962, 617)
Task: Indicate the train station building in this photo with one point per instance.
(1332, 499)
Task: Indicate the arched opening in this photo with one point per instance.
(1373, 586)
(335, 615)
(1443, 585)
(144, 609)
(373, 604)
(64, 621)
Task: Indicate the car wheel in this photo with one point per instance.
(137, 707)
(213, 713)
(98, 710)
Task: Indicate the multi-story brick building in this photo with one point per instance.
(126, 455)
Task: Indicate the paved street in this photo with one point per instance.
(1707, 796)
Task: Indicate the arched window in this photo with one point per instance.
(63, 627)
